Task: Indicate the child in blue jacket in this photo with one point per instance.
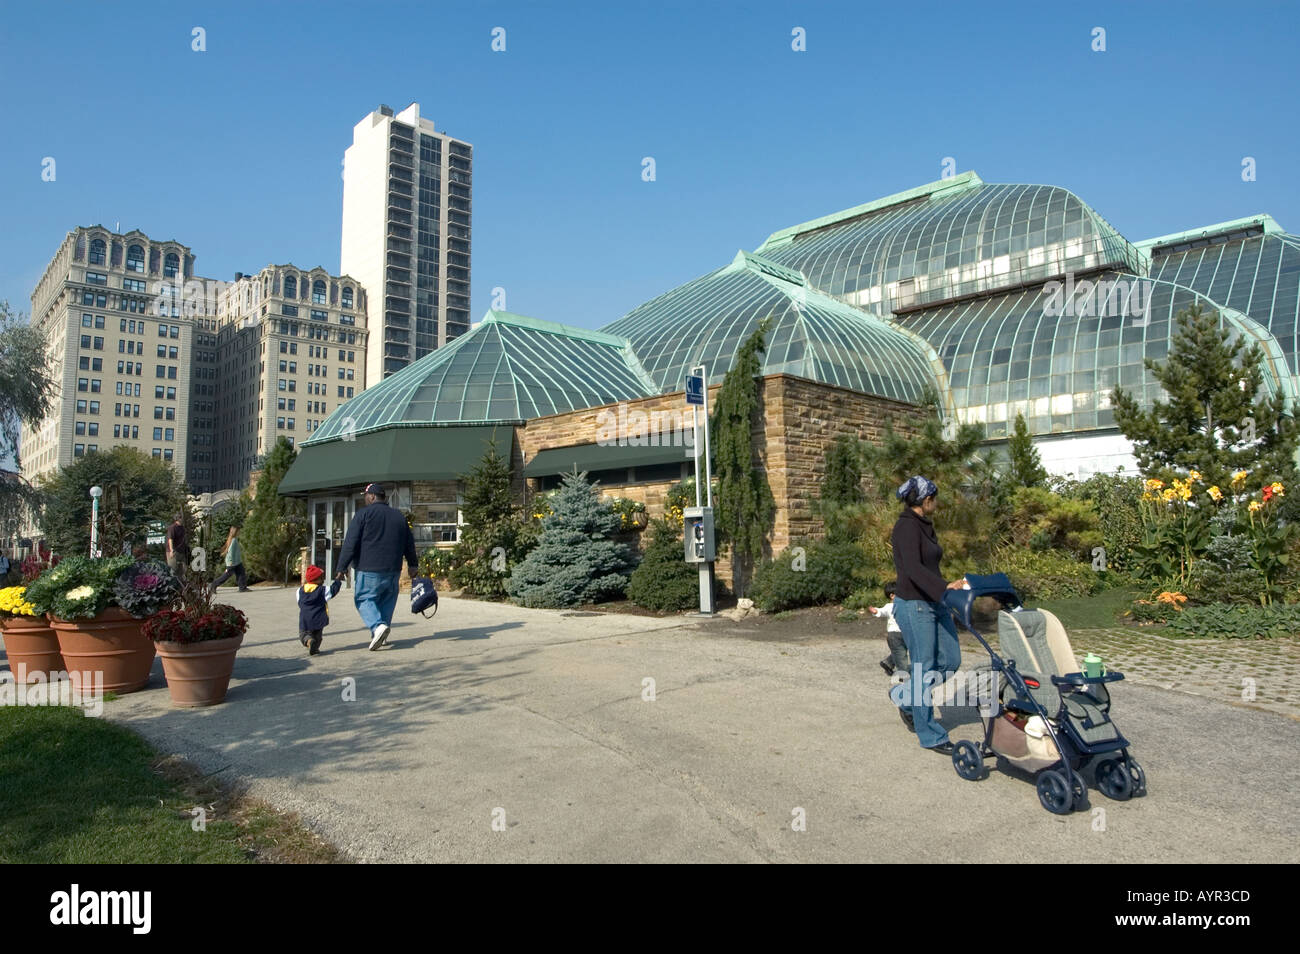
(313, 616)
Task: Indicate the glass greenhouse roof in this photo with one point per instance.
(950, 239)
(1006, 354)
(506, 369)
(1258, 275)
(812, 336)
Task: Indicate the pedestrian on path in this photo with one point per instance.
(926, 622)
(377, 541)
(178, 547)
(234, 562)
(313, 614)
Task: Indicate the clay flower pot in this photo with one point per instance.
(30, 642)
(198, 674)
(111, 644)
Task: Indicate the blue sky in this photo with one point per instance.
(236, 151)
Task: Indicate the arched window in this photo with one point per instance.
(290, 286)
(318, 292)
(171, 264)
(97, 251)
(135, 259)
(347, 296)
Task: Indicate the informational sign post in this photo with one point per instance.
(697, 533)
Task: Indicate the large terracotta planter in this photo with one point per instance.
(198, 674)
(30, 642)
(111, 644)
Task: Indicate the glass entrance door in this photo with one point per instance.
(329, 525)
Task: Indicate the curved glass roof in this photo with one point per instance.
(812, 335)
(1016, 353)
(952, 238)
(506, 369)
(1258, 276)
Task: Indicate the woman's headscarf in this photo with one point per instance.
(916, 489)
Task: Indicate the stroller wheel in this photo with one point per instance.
(1137, 777)
(966, 759)
(1054, 792)
(1114, 780)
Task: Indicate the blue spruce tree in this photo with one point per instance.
(576, 560)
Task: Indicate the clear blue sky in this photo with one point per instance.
(236, 151)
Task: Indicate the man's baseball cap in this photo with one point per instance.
(376, 489)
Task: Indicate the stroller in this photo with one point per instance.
(1047, 718)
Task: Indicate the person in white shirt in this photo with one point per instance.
(897, 660)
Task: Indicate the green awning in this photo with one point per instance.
(394, 453)
(593, 457)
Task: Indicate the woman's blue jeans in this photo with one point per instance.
(932, 642)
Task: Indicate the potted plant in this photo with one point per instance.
(95, 635)
(197, 644)
(31, 646)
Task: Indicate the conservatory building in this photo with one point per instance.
(999, 299)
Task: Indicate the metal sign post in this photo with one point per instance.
(698, 521)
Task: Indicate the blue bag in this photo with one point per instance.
(423, 596)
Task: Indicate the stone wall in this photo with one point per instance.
(801, 420)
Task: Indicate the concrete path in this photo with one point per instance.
(538, 719)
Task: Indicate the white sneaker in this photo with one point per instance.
(381, 634)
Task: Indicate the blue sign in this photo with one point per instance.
(695, 390)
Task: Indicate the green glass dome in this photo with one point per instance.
(812, 335)
(505, 370)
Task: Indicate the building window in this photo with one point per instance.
(171, 393)
(85, 341)
(97, 250)
(318, 315)
(347, 296)
(79, 428)
(96, 278)
(83, 384)
(117, 430)
(161, 371)
(81, 407)
(135, 433)
(280, 405)
(293, 385)
(96, 364)
(135, 285)
(171, 264)
(171, 413)
(79, 450)
(279, 383)
(318, 292)
(162, 351)
(290, 287)
(83, 363)
(157, 452)
(169, 434)
(172, 352)
(157, 413)
(135, 259)
(176, 331)
(167, 454)
(86, 320)
(94, 407)
(279, 423)
(157, 433)
(292, 402)
(93, 428)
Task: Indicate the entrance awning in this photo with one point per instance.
(594, 457)
(394, 453)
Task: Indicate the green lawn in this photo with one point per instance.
(1091, 612)
(78, 790)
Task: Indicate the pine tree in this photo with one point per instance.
(1026, 468)
(276, 526)
(576, 560)
(745, 506)
(841, 488)
(495, 536)
(1213, 409)
(664, 580)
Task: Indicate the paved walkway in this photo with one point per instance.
(542, 721)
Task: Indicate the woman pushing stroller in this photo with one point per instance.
(926, 622)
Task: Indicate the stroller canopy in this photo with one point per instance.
(996, 585)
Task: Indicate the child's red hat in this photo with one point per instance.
(315, 574)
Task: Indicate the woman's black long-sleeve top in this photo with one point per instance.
(916, 558)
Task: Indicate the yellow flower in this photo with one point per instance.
(1172, 598)
(1195, 475)
(1277, 489)
(1154, 484)
(1255, 505)
(1169, 494)
(1185, 491)
(1239, 477)
(1215, 493)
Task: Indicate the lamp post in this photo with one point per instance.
(95, 493)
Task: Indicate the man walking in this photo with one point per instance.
(178, 547)
(377, 541)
